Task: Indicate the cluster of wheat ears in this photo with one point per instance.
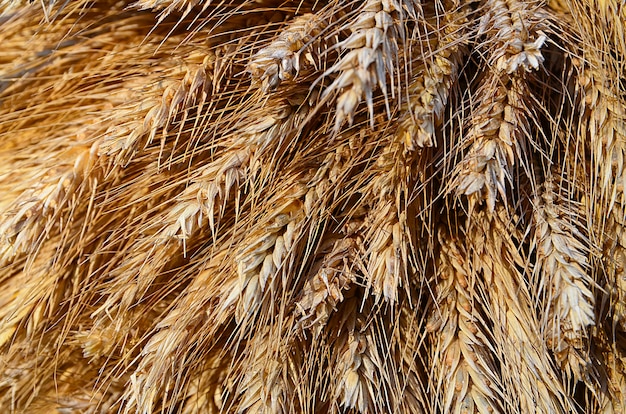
(335, 206)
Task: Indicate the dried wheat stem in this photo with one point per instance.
(280, 60)
(464, 374)
(563, 267)
(499, 123)
(369, 54)
(429, 88)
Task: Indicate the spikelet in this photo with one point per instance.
(466, 378)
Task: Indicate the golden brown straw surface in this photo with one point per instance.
(374, 206)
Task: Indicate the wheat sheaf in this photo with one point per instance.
(373, 206)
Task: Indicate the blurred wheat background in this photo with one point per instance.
(373, 206)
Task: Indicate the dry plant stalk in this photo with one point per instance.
(374, 206)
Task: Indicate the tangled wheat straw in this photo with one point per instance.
(340, 206)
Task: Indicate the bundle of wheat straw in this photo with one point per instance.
(340, 206)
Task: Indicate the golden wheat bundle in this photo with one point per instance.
(407, 206)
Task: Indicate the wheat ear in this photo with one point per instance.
(604, 123)
(528, 378)
(369, 54)
(268, 373)
(355, 360)
(563, 267)
(465, 377)
(429, 88)
(408, 343)
(499, 123)
(280, 60)
(262, 261)
(28, 220)
(333, 275)
(211, 186)
(186, 88)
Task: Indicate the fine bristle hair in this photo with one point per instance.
(403, 206)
